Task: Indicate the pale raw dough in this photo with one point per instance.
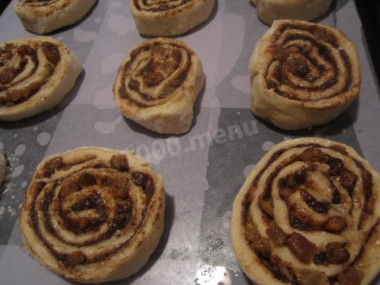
(54, 86)
(157, 84)
(42, 18)
(270, 10)
(121, 249)
(262, 227)
(169, 18)
(303, 74)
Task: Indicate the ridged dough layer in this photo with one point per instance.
(35, 76)
(42, 17)
(270, 10)
(309, 213)
(157, 84)
(92, 214)
(303, 74)
(163, 18)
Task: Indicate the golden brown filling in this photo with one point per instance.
(307, 64)
(319, 190)
(24, 69)
(79, 204)
(154, 73)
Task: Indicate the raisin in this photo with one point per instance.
(51, 52)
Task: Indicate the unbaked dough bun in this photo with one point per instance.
(45, 16)
(157, 84)
(92, 214)
(309, 213)
(35, 75)
(168, 18)
(270, 10)
(303, 74)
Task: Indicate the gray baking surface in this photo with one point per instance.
(204, 169)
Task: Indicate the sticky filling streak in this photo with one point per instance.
(324, 53)
(366, 186)
(64, 257)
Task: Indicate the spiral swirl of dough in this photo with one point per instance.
(159, 5)
(35, 75)
(91, 209)
(157, 84)
(154, 72)
(312, 70)
(44, 3)
(44, 16)
(308, 210)
(167, 18)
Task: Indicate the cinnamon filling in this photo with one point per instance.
(82, 208)
(10, 83)
(302, 211)
(161, 70)
(294, 57)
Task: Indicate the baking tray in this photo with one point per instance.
(202, 173)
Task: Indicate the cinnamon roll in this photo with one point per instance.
(35, 75)
(92, 214)
(309, 212)
(270, 10)
(157, 84)
(44, 16)
(303, 74)
(169, 17)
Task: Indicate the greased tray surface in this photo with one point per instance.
(203, 169)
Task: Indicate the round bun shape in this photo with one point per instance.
(303, 74)
(36, 75)
(307, 10)
(157, 84)
(163, 18)
(42, 17)
(308, 213)
(93, 214)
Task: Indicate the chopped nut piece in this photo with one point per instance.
(267, 206)
(336, 224)
(311, 277)
(336, 253)
(348, 180)
(276, 234)
(350, 276)
(301, 247)
(121, 187)
(52, 165)
(86, 179)
(119, 162)
(297, 66)
(312, 154)
(67, 189)
(279, 52)
(77, 257)
(335, 166)
(7, 75)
